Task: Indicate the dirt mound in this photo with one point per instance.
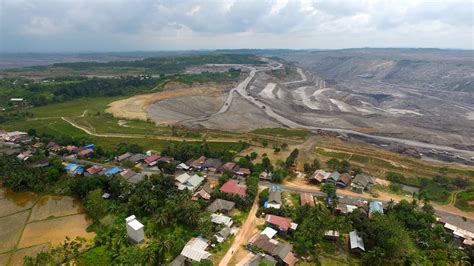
(136, 107)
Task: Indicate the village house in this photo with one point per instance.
(85, 152)
(282, 224)
(137, 158)
(166, 159)
(375, 207)
(24, 156)
(274, 199)
(319, 176)
(152, 159)
(212, 165)
(461, 230)
(265, 175)
(333, 177)
(71, 149)
(223, 234)
(281, 251)
(203, 193)
(356, 242)
(232, 187)
(135, 229)
(93, 170)
(132, 176)
(113, 171)
(123, 157)
(73, 169)
(220, 205)
(270, 232)
(53, 147)
(261, 259)
(307, 199)
(183, 166)
(229, 166)
(186, 181)
(194, 251)
(362, 183)
(14, 136)
(221, 219)
(344, 180)
(332, 235)
(197, 164)
(240, 171)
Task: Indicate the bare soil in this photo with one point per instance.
(10, 230)
(55, 230)
(19, 256)
(55, 206)
(136, 107)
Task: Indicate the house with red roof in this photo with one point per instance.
(95, 169)
(85, 152)
(283, 224)
(232, 187)
(152, 159)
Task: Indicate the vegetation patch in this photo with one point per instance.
(282, 132)
(465, 200)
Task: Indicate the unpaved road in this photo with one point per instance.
(243, 235)
(135, 136)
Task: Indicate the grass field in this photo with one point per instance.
(282, 132)
(465, 200)
(89, 113)
(378, 162)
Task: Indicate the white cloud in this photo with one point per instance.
(196, 24)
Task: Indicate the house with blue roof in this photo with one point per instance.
(375, 207)
(74, 169)
(113, 171)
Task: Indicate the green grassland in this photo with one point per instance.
(282, 132)
(465, 200)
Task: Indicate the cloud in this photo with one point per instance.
(48, 25)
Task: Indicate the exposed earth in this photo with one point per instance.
(30, 223)
(381, 97)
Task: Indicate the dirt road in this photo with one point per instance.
(135, 136)
(243, 235)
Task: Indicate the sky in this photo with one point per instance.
(154, 25)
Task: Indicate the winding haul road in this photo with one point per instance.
(242, 90)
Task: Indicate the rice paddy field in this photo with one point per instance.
(30, 223)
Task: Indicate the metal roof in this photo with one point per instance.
(356, 241)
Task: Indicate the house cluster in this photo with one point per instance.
(359, 183)
(462, 231)
(213, 165)
(267, 248)
(15, 137)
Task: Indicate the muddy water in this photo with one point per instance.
(29, 221)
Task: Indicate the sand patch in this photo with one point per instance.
(19, 256)
(4, 258)
(8, 207)
(54, 206)
(136, 107)
(54, 231)
(171, 111)
(10, 230)
(470, 116)
(267, 92)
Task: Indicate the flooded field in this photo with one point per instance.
(30, 223)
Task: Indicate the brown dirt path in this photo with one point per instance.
(243, 235)
(135, 136)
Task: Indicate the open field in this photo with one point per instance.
(137, 107)
(51, 206)
(55, 230)
(11, 229)
(39, 223)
